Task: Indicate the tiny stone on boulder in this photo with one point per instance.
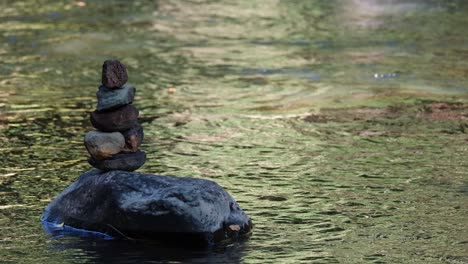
(120, 119)
(102, 145)
(114, 74)
(109, 99)
(121, 161)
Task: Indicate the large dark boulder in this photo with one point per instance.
(151, 207)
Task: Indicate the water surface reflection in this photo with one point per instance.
(277, 101)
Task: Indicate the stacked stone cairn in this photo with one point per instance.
(134, 205)
(116, 143)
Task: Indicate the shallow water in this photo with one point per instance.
(338, 126)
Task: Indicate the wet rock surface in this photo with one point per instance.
(122, 161)
(114, 74)
(109, 99)
(101, 145)
(147, 206)
(121, 119)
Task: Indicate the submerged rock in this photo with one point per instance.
(120, 119)
(102, 145)
(146, 206)
(114, 74)
(122, 161)
(113, 98)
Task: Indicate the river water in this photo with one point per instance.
(338, 126)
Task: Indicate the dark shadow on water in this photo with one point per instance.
(102, 248)
(124, 251)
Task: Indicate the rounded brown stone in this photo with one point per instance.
(133, 138)
(114, 74)
(102, 145)
(120, 119)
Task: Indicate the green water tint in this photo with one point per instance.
(339, 126)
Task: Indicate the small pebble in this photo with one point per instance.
(133, 138)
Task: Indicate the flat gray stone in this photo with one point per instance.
(102, 145)
(147, 206)
(122, 161)
(109, 99)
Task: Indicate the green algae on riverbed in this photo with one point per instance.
(395, 163)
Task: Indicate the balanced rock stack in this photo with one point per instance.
(115, 146)
(113, 202)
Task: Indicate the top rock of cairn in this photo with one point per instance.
(114, 74)
(116, 143)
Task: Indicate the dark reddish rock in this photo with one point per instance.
(133, 138)
(121, 119)
(114, 74)
(122, 161)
